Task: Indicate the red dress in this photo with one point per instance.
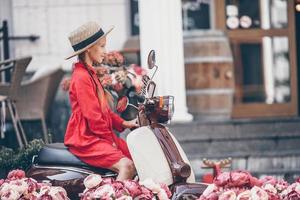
(89, 133)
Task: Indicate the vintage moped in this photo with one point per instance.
(155, 151)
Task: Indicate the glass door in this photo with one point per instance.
(262, 37)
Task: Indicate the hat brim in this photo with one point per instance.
(88, 46)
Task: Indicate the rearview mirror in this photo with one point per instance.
(151, 59)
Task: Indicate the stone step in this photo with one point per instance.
(236, 129)
(263, 147)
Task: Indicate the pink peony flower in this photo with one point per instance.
(166, 189)
(269, 180)
(120, 189)
(124, 197)
(133, 188)
(228, 195)
(92, 181)
(107, 181)
(146, 194)
(281, 185)
(239, 178)
(222, 179)
(292, 192)
(210, 193)
(254, 181)
(16, 174)
(246, 195)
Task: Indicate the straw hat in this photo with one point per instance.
(86, 36)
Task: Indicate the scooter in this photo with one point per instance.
(155, 151)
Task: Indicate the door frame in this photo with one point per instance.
(249, 110)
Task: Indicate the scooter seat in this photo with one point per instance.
(59, 155)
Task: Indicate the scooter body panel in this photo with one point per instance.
(149, 158)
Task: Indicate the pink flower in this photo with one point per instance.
(239, 178)
(162, 195)
(146, 194)
(292, 192)
(281, 185)
(228, 195)
(246, 195)
(268, 179)
(133, 188)
(254, 181)
(107, 181)
(1, 181)
(166, 189)
(32, 185)
(119, 189)
(16, 174)
(222, 179)
(210, 193)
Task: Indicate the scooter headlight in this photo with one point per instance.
(165, 108)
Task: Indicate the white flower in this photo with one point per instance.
(19, 186)
(10, 195)
(259, 194)
(151, 185)
(92, 181)
(244, 195)
(162, 195)
(270, 188)
(58, 193)
(104, 191)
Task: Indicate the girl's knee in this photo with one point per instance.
(128, 165)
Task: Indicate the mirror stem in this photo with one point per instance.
(154, 72)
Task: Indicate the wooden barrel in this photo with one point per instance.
(209, 74)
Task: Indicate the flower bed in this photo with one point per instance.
(241, 185)
(109, 189)
(17, 186)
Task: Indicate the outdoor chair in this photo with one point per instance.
(37, 94)
(9, 94)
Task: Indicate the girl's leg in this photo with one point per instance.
(125, 169)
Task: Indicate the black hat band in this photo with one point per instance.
(88, 41)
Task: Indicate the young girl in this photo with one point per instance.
(89, 133)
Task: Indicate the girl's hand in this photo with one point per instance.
(130, 124)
